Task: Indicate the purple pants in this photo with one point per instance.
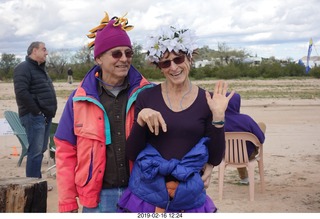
(133, 204)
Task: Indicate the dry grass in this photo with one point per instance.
(289, 88)
(304, 88)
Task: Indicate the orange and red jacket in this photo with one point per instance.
(81, 138)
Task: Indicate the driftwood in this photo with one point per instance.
(23, 195)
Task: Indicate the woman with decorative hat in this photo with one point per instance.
(97, 118)
(178, 130)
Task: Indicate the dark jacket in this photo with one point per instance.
(34, 89)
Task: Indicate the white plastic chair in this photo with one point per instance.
(236, 156)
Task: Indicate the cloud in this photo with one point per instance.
(263, 27)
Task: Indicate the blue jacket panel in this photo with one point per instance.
(150, 169)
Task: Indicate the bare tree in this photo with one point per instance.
(57, 61)
(223, 51)
(83, 56)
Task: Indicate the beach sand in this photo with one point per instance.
(291, 157)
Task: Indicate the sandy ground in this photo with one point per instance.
(291, 157)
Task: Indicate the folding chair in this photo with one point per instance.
(15, 123)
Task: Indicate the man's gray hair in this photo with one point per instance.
(33, 45)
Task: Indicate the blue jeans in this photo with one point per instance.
(38, 131)
(108, 201)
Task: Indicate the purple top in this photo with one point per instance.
(238, 122)
(184, 129)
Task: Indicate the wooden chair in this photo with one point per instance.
(236, 155)
(15, 123)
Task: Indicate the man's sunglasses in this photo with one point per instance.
(177, 60)
(117, 54)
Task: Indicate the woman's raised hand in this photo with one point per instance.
(218, 103)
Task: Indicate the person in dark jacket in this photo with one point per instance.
(37, 104)
(239, 122)
(70, 75)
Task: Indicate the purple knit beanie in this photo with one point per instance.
(113, 34)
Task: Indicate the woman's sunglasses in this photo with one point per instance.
(166, 64)
(117, 54)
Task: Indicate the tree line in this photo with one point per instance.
(228, 64)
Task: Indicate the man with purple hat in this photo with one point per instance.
(98, 116)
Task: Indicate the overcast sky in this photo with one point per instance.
(280, 28)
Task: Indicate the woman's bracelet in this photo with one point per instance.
(218, 122)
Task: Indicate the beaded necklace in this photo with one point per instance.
(167, 95)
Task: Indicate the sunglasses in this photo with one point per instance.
(177, 60)
(117, 54)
